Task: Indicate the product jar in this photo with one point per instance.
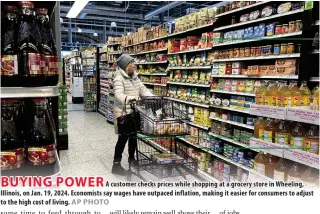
(236, 52)
(241, 54)
(284, 48)
(292, 26)
(253, 51)
(298, 25)
(247, 52)
(258, 51)
(276, 49)
(285, 29)
(290, 49)
(278, 29)
(268, 50)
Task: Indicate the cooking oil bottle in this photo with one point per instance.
(284, 95)
(296, 98)
(311, 142)
(305, 93)
(269, 130)
(271, 164)
(297, 136)
(271, 94)
(260, 162)
(315, 98)
(294, 173)
(259, 128)
(260, 94)
(283, 133)
(310, 177)
(281, 171)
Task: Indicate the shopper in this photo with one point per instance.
(127, 87)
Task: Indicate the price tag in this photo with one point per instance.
(303, 115)
(268, 111)
(302, 157)
(267, 147)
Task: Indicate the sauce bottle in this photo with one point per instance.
(280, 171)
(259, 128)
(271, 95)
(269, 130)
(260, 94)
(29, 54)
(311, 142)
(310, 177)
(271, 164)
(283, 133)
(294, 173)
(297, 136)
(260, 163)
(305, 93)
(284, 96)
(9, 58)
(296, 98)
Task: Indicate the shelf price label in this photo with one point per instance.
(268, 111)
(302, 157)
(267, 147)
(303, 115)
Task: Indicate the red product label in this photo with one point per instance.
(42, 155)
(9, 65)
(12, 159)
(53, 66)
(34, 63)
(43, 66)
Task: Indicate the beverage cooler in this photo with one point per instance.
(30, 65)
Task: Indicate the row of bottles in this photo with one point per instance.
(284, 170)
(295, 134)
(282, 95)
(26, 139)
(28, 51)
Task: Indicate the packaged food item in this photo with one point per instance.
(298, 25)
(234, 85)
(183, 94)
(266, 11)
(241, 52)
(195, 76)
(285, 29)
(290, 48)
(292, 26)
(298, 134)
(270, 29)
(236, 52)
(252, 51)
(202, 78)
(189, 80)
(177, 75)
(178, 93)
(311, 142)
(247, 52)
(194, 94)
(278, 29)
(203, 58)
(171, 61)
(244, 18)
(184, 60)
(191, 61)
(210, 58)
(283, 8)
(284, 48)
(249, 86)
(183, 44)
(241, 86)
(276, 49)
(171, 75)
(254, 15)
(179, 60)
(184, 75)
(258, 51)
(188, 94)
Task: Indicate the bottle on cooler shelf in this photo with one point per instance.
(284, 95)
(283, 132)
(297, 136)
(305, 93)
(29, 48)
(260, 94)
(12, 148)
(311, 142)
(270, 130)
(271, 94)
(50, 67)
(296, 96)
(272, 161)
(280, 172)
(259, 128)
(294, 173)
(310, 177)
(260, 163)
(41, 147)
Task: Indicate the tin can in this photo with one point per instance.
(292, 26)
(284, 48)
(230, 53)
(298, 25)
(247, 52)
(268, 50)
(236, 52)
(278, 29)
(258, 51)
(241, 54)
(290, 49)
(252, 51)
(285, 29)
(263, 50)
(276, 49)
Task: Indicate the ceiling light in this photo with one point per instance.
(113, 24)
(76, 8)
(79, 30)
(95, 34)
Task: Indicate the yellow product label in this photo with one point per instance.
(297, 101)
(311, 145)
(297, 142)
(261, 133)
(260, 99)
(270, 100)
(282, 138)
(36, 149)
(260, 168)
(267, 136)
(282, 101)
(278, 176)
(306, 100)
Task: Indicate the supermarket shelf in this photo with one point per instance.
(192, 29)
(102, 112)
(145, 52)
(316, 52)
(189, 84)
(230, 109)
(233, 123)
(103, 103)
(188, 102)
(259, 20)
(117, 43)
(242, 8)
(257, 77)
(259, 39)
(155, 74)
(16, 92)
(191, 51)
(151, 40)
(190, 68)
(150, 63)
(115, 53)
(282, 56)
(315, 79)
(198, 126)
(230, 140)
(103, 61)
(233, 93)
(149, 83)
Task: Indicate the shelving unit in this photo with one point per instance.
(89, 84)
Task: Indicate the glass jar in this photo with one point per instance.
(292, 26)
(252, 51)
(285, 29)
(263, 50)
(268, 50)
(241, 54)
(278, 29)
(298, 25)
(290, 49)
(231, 53)
(284, 48)
(247, 52)
(276, 49)
(236, 52)
(258, 51)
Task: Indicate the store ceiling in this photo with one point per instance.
(127, 15)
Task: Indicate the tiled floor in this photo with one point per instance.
(91, 146)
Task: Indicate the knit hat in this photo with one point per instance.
(123, 61)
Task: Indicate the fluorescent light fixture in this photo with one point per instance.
(76, 8)
(113, 24)
(79, 30)
(95, 34)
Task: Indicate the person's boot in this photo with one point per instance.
(132, 161)
(118, 169)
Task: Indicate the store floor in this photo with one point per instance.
(91, 147)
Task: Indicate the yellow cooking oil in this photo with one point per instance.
(305, 93)
(315, 98)
(296, 97)
(284, 95)
(271, 94)
(260, 93)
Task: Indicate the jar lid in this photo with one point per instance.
(42, 11)
(284, 24)
(11, 8)
(28, 3)
(284, 44)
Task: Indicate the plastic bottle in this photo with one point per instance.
(281, 171)
(305, 93)
(260, 94)
(310, 177)
(271, 164)
(294, 173)
(271, 95)
(315, 98)
(259, 128)
(260, 162)
(311, 142)
(298, 134)
(283, 132)
(284, 96)
(269, 130)
(296, 97)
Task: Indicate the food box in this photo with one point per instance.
(235, 71)
(263, 70)
(285, 63)
(236, 65)
(167, 158)
(228, 71)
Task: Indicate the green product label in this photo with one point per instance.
(308, 5)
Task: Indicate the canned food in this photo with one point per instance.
(231, 53)
(263, 50)
(278, 29)
(258, 51)
(236, 52)
(285, 29)
(284, 48)
(290, 49)
(276, 49)
(268, 50)
(292, 26)
(298, 25)
(247, 52)
(241, 54)
(253, 51)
